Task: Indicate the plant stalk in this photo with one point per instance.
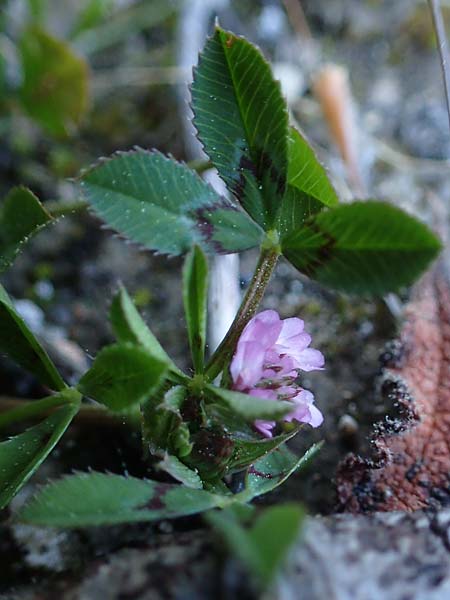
(255, 292)
(17, 410)
(439, 28)
(13, 410)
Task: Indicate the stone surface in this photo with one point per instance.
(393, 556)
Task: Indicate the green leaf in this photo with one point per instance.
(19, 343)
(88, 499)
(21, 216)
(122, 375)
(263, 547)
(23, 454)
(180, 472)
(364, 247)
(305, 172)
(55, 82)
(163, 205)
(250, 407)
(242, 122)
(195, 289)
(274, 533)
(246, 452)
(228, 229)
(295, 209)
(272, 470)
(129, 327)
(163, 427)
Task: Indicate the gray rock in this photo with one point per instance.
(395, 556)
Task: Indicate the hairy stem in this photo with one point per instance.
(439, 28)
(13, 410)
(20, 410)
(255, 292)
(60, 209)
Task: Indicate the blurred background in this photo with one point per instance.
(80, 80)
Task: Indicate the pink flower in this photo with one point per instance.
(268, 356)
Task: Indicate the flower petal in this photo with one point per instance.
(291, 328)
(304, 396)
(309, 360)
(301, 414)
(246, 367)
(264, 427)
(316, 416)
(277, 367)
(305, 411)
(264, 328)
(266, 394)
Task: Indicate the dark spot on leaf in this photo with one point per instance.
(156, 503)
(253, 471)
(198, 342)
(206, 226)
(322, 254)
(246, 167)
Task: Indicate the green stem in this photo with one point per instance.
(60, 209)
(255, 292)
(29, 409)
(13, 410)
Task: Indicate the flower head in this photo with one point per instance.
(268, 357)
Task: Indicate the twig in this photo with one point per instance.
(332, 89)
(297, 18)
(439, 28)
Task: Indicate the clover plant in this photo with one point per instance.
(219, 431)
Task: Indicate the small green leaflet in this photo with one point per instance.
(164, 206)
(363, 247)
(195, 289)
(242, 121)
(122, 375)
(95, 498)
(163, 427)
(264, 545)
(273, 469)
(22, 455)
(19, 343)
(250, 407)
(308, 191)
(247, 452)
(305, 172)
(295, 208)
(129, 327)
(21, 216)
(54, 91)
(180, 472)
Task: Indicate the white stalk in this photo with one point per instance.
(224, 292)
